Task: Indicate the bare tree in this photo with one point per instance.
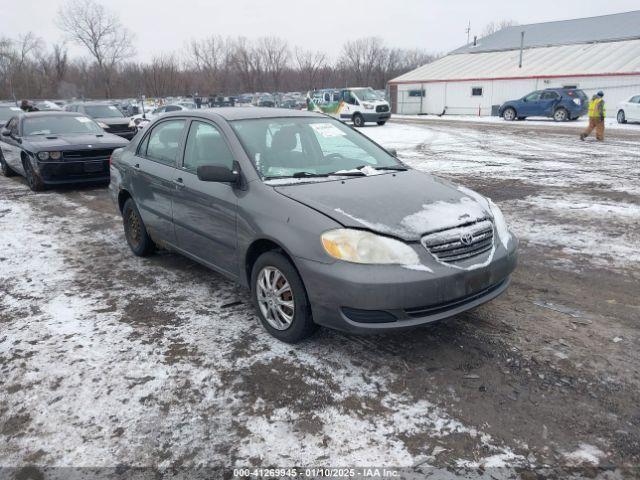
(493, 27)
(309, 65)
(91, 25)
(275, 55)
(211, 57)
(362, 57)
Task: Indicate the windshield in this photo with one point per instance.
(309, 146)
(59, 125)
(366, 94)
(103, 111)
(7, 112)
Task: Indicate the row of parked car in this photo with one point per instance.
(563, 104)
(280, 202)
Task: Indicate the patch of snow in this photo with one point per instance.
(585, 454)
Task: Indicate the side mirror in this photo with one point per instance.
(392, 151)
(215, 173)
(6, 132)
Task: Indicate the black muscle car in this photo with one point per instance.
(52, 148)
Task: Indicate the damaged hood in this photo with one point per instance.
(406, 204)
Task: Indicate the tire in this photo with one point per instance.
(561, 115)
(273, 268)
(621, 117)
(381, 123)
(6, 169)
(34, 181)
(509, 114)
(358, 120)
(135, 232)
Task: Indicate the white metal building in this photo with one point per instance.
(597, 53)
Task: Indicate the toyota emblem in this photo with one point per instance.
(466, 238)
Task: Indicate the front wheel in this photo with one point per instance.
(621, 117)
(509, 114)
(358, 120)
(35, 182)
(281, 299)
(381, 123)
(560, 115)
(134, 230)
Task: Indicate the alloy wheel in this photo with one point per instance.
(134, 233)
(275, 298)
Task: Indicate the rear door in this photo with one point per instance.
(153, 173)
(548, 102)
(204, 213)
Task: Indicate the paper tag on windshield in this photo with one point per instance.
(112, 107)
(83, 119)
(327, 130)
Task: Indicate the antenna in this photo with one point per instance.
(468, 30)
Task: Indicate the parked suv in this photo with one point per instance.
(283, 202)
(561, 104)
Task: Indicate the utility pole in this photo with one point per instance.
(468, 30)
(521, 48)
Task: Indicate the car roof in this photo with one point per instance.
(239, 113)
(51, 113)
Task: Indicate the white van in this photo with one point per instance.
(359, 105)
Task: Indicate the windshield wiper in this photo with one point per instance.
(392, 167)
(309, 174)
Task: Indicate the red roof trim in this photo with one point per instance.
(529, 77)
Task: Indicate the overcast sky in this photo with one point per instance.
(435, 25)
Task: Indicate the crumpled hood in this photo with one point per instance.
(79, 141)
(406, 205)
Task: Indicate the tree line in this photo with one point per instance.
(214, 65)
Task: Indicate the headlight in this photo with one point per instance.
(368, 106)
(103, 125)
(55, 155)
(43, 155)
(358, 246)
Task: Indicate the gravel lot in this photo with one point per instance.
(109, 359)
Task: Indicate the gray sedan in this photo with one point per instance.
(324, 226)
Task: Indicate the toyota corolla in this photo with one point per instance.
(323, 226)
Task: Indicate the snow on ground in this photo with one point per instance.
(590, 205)
(136, 363)
(610, 122)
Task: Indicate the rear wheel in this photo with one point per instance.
(621, 117)
(6, 169)
(560, 115)
(358, 120)
(35, 182)
(381, 123)
(134, 230)
(509, 114)
(281, 299)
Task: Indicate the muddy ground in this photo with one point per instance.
(107, 359)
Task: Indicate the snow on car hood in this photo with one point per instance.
(406, 205)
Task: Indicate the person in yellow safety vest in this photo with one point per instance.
(597, 112)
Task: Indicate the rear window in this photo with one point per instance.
(103, 111)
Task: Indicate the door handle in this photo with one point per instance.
(136, 166)
(178, 182)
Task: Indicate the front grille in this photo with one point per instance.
(87, 154)
(382, 108)
(462, 242)
(75, 170)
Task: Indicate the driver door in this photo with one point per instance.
(204, 213)
(531, 105)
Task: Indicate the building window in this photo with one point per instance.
(416, 93)
(570, 86)
(476, 91)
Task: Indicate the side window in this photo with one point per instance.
(164, 142)
(476, 91)
(349, 98)
(206, 146)
(172, 108)
(636, 99)
(549, 96)
(533, 97)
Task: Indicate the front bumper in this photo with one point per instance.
(68, 172)
(378, 298)
(376, 117)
